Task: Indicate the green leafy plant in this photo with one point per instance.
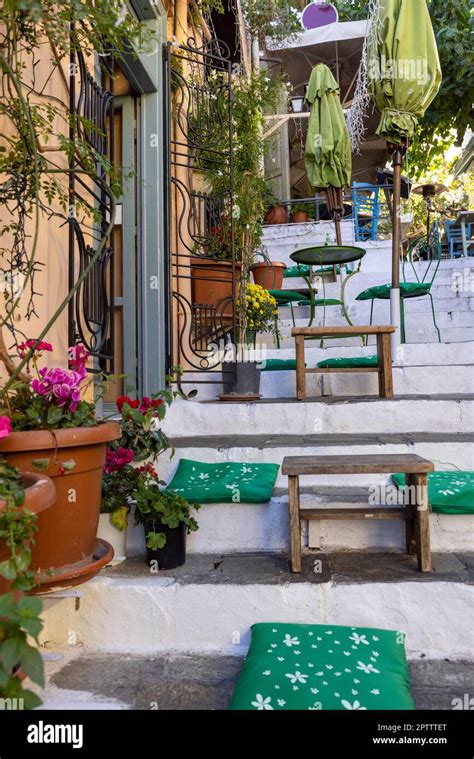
(152, 504)
(20, 622)
(304, 208)
(271, 19)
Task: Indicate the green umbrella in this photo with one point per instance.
(328, 148)
(404, 76)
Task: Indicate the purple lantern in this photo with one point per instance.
(318, 14)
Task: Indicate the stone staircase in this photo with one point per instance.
(237, 569)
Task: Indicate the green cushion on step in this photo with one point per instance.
(278, 364)
(303, 270)
(229, 482)
(407, 290)
(323, 667)
(296, 271)
(283, 297)
(448, 492)
(348, 363)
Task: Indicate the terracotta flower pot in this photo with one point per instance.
(276, 215)
(269, 275)
(212, 284)
(299, 217)
(66, 537)
(40, 494)
(117, 538)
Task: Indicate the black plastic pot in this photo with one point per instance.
(173, 553)
(241, 378)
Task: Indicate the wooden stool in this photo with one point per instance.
(384, 368)
(415, 513)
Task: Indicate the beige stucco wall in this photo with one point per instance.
(51, 281)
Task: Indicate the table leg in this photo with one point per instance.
(385, 366)
(410, 505)
(422, 523)
(300, 368)
(295, 526)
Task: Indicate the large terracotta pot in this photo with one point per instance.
(269, 274)
(40, 494)
(212, 284)
(276, 215)
(67, 531)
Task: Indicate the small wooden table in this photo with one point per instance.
(415, 511)
(384, 368)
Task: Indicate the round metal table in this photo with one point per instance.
(329, 255)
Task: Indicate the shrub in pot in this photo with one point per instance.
(166, 518)
(242, 377)
(301, 213)
(56, 432)
(276, 214)
(140, 439)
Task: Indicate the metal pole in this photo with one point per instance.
(395, 291)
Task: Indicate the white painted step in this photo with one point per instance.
(451, 414)
(153, 613)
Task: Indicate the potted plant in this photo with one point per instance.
(261, 315)
(301, 213)
(166, 518)
(56, 432)
(140, 440)
(266, 273)
(275, 213)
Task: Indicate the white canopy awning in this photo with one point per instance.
(339, 32)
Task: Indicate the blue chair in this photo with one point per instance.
(366, 210)
(454, 236)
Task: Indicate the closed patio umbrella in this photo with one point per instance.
(404, 76)
(328, 148)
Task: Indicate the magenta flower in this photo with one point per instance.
(5, 426)
(60, 386)
(115, 460)
(78, 356)
(25, 346)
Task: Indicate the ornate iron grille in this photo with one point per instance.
(202, 272)
(92, 122)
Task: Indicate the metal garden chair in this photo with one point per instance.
(417, 289)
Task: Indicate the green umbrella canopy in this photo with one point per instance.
(328, 149)
(404, 72)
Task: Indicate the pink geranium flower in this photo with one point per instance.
(60, 386)
(5, 426)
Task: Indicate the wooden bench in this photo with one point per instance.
(415, 511)
(384, 368)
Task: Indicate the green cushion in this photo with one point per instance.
(278, 364)
(326, 667)
(448, 492)
(407, 290)
(228, 482)
(296, 271)
(286, 296)
(346, 363)
(303, 270)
